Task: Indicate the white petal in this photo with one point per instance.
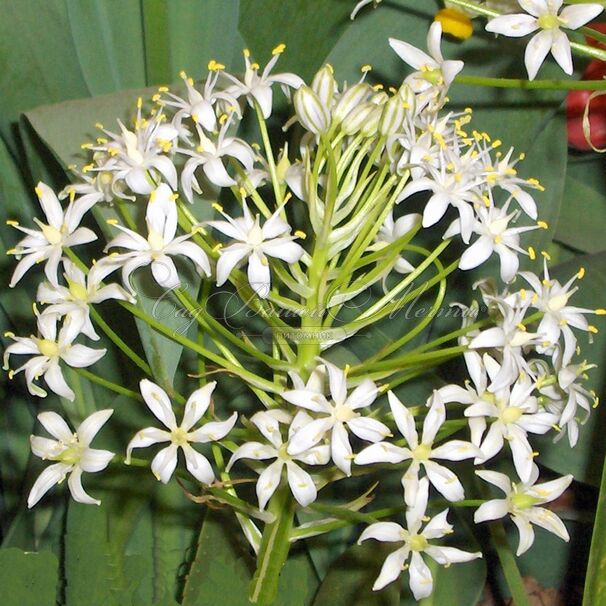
(94, 460)
(526, 534)
(197, 404)
(216, 173)
(392, 568)
(56, 426)
(78, 493)
(229, 258)
(456, 450)
(491, 510)
(164, 463)
(338, 383)
(164, 272)
(259, 276)
(89, 428)
(477, 253)
(450, 555)
(404, 420)
(198, 465)
(536, 51)
(500, 480)
(50, 205)
(410, 55)
(514, 26)
(368, 429)
(434, 420)
(382, 452)
(309, 435)
(340, 448)
(576, 16)
(549, 521)
(445, 481)
(268, 482)
(421, 582)
(56, 382)
(54, 474)
(301, 484)
(213, 431)
(158, 402)
(386, 532)
(305, 398)
(146, 437)
(438, 526)
(81, 356)
(560, 49)
(363, 395)
(252, 450)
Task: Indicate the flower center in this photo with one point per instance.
(558, 302)
(155, 241)
(72, 454)
(52, 234)
(511, 414)
(77, 291)
(343, 413)
(178, 436)
(255, 235)
(432, 75)
(282, 452)
(417, 542)
(523, 501)
(549, 21)
(422, 452)
(48, 348)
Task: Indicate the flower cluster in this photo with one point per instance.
(315, 228)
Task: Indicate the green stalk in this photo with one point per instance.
(531, 84)
(108, 384)
(269, 155)
(275, 545)
(509, 565)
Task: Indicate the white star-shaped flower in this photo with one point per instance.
(421, 452)
(160, 244)
(82, 290)
(48, 349)
(300, 482)
(256, 242)
(72, 454)
(545, 15)
(180, 436)
(522, 502)
(337, 415)
(415, 541)
(60, 232)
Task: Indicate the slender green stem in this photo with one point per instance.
(108, 384)
(275, 546)
(269, 155)
(113, 336)
(509, 565)
(531, 84)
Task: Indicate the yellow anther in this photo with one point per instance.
(521, 327)
(300, 234)
(542, 224)
(246, 52)
(139, 103)
(366, 68)
(89, 167)
(86, 145)
(522, 156)
(12, 223)
(101, 140)
(183, 75)
(254, 66)
(98, 125)
(163, 89)
(496, 143)
(287, 197)
(9, 334)
(347, 369)
(278, 50)
(222, 119)
(217, 207)
(581, 273)
(523, 294)
(215, 66)
(534, 454)
(156, 98)
(378, 87)
(218, 247)
(11, 374)
(593, 329)
(111, 221)
(546, 255)
(531, 253)
(556, 427)
(600, 311)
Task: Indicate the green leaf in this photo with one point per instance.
(595, 581)
(350, 579)
(109, 44)
(584, 461)
(220, 572)
(266, 23)
(27, 578)
(582, 217)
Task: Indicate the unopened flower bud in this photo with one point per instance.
(325, 85)
(371, 125)
(312, 114)
(350, 99)
(357, 117)
(392, 116)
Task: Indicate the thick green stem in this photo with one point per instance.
(275, 545)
